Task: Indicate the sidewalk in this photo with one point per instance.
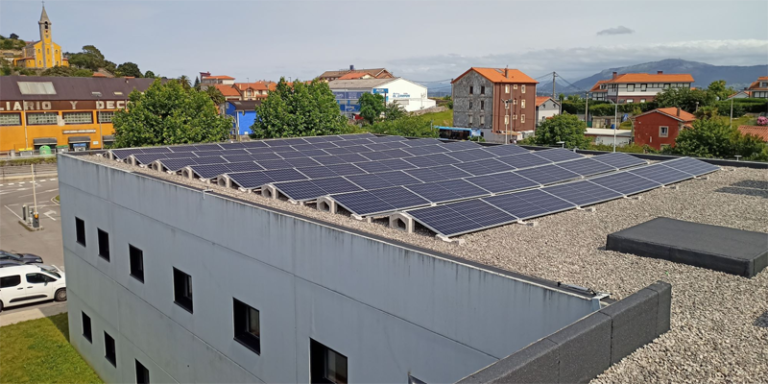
(44, 310)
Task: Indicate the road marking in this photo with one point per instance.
(49, 215)
(22, 189)
(1, 185)
(43, 180)
(14, 213)
(10, 183)
(50, 190)
(22, 182)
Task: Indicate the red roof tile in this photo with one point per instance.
(497, 75)
(672, 112)
(227, 90)
(756, 130)
(541, 100)
(219, 77)
(651, 78)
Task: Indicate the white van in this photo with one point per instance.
(30, 283)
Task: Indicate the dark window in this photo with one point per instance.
(103, 244)
(87, 327)
(80, 229)
(326, 365)
(38, 278)
(137, 262)
(471, 89)
(109, 347)
(482, 90)
(182, 289)
(10, 281)
(470, 105)
(482, 105)
(142, 374)
(247, 325)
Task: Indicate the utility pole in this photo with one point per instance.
(554, 74)
(586, 109)
(731, 112)
(34, 197)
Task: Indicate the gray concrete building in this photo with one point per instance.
(172, 283)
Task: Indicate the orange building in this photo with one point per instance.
(71, 112)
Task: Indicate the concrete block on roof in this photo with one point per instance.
(536, 363)
(664, 290)
(634, 322)
(584, 348)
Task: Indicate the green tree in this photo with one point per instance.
(719, 90)
(149, 75)
(197, 83)
(90, 58)
(184, 81)
(299, 110)
(394, 112)
(67, 72)
(371, 107)
(169, 114)
(129, 69)
(216, 96)
(686, 99)
(715, 137)
(566, 128)
(407, 125)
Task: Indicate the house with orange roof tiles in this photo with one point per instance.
(638, 87)
(759, 88)
(501, 101)
(546, 108)
(213, 80)
(659, 128)
(755, 130)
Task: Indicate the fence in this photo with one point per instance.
(14, 171)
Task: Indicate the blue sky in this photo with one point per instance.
(420, 40)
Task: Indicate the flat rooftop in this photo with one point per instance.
(719, 321)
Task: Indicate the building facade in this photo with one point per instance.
(67, 112)
(409, 95)
(759, 88)
(546, 108)
(187, 286)
(659, 128)
(609, 136)
(638, 87)
(243, 115)
(43, 53)
(498, 99)
(375, 73)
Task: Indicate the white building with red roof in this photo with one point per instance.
(638, 87)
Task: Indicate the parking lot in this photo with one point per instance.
(15, 237)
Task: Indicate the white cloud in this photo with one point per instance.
(620, 30)
(584, 61)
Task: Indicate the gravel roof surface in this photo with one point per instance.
(719, 321)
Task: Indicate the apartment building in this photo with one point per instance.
(638, 87)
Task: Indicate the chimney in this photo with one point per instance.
(615, 75)
(351, 67)
(659, 72)
(678, 111)
(506, 73)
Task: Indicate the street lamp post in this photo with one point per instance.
(615, 120)
(98, 117)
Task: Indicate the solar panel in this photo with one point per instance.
(255, 144)
(285, 142)
(371, 181)
(390, 154)
(208, 171)
(582, 193)
(470, 155)
(387, 139)
(243, 166)
(351, 136)
(424, 150)
(321, 139)
(661, 174)
(353, 142)
(303, 153)
(302, 162)
(324, 145)
(182, 149)
(586, 166)
(443, 172)
(352, 157)
(335, 185)
(547, 174)
(525, 160)
(442, 191)
(157, 150)
(529, 204)
(337, 151)
(228, 146)
(506, 150)
(397, 164)
(620, 160)
(399, 197)
(146, 158)
(420, 142)
(317, 172)
(344, 169)
(275, 164)
(691, 166)
(123, 153)
(626, 183)
(177, 164)
(424, 161)
(395, 144)
(265, 156)
(300, 190)
(484, 167)
(282, 149)
(284, 175)
(250, 180)
(502, 182)
(207, 147)
(234, 158)
(458, 218)
(211, 153)
(459, 146)
(398, 178)
(362, 203)
(558, 154)
(373, 166)
(328, 160)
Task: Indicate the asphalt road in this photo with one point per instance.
(15, 237)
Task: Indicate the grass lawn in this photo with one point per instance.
(38, 351)
(444, 118)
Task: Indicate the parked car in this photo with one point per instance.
(10, 263)
(24, 284)
(26, 258)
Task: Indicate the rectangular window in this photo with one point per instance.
(663, 131)
(643, 87)
(506, 88)
(247, 325)
(137, 262)
(471, 89)
(514, 86)
(182, 289)
(9, 119)
(103, 238)
(482, 89)
(522, 103)
(106, 117)
(46, 118)
(514, 101)
(109, 348)
(326, 365)
(10, 281)
(78, 117)
(80, 231)
(642, 100)
(630, 101)
(470, 120)
(482, 120)
(142, 373)
(87, 327)
(522, 88)
(666, 86)
(470, 105)
(482, 105)
(630, 87)
(514, 117)
(522, 118)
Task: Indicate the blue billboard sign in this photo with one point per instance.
(376, 91)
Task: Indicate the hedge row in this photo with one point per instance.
(29, 161)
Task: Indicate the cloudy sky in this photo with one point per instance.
(419, 40)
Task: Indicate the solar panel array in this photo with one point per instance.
(464, 186)
(451, 219)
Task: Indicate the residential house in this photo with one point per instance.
(743, 94)
(755, 130)
(213, 80)
(659, 128)
(255, 91)
(638, 87)
(607, 136)
(376, 73)
(243, 114)
(599, 90)
(499, 100)
(546, 108)
(228, 91)
(409, 95)
(759, 88)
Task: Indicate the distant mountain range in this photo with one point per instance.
(738, 77)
